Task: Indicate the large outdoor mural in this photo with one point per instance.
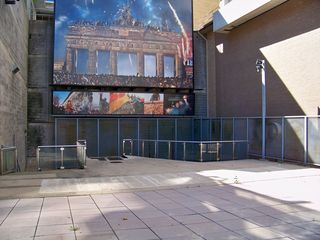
(110, 103)
(124, 43)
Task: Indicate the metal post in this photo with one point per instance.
(131, 147)
(142, 154)
(62, 149)
(282, 138)
(77, 133)
(85, 156)
(218, 151)
(155, 149)
(175, 138)
(248, 144)
(118, 130)
(169, 150)
(264, 108)
(2, 161)
(98, 136)
(138, 122)
(123, 152)
(305, 145)
(233, 132)
(38, 158)
(16, 160)
(55, 131)
(201, 152)
(233, 149)
(184, 151)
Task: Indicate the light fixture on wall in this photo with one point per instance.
(15, 70)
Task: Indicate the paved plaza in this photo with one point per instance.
(248, 199)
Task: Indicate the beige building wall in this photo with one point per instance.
(202, 12)
(288, 37)
(13, 87)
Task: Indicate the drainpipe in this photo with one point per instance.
(207, 69)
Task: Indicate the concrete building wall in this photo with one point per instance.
(40, 122)
(288, 38)
(14, 24)
(200, 75)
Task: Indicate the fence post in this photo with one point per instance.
(305, 145)
(123, 152)
(248, 144)
(38, 158)
(155, 149)
(282, 139)
(142, 150)
(16, 159)
(1, 160)
(218, 151)
(233, 149)
(184, 151)
(62, 150)
(169, 150)
(201, 152)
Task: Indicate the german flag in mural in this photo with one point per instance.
(117, 100)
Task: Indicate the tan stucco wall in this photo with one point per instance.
(288, 37)
(202, 12)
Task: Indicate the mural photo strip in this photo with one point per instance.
(124, 43)
(121, 103)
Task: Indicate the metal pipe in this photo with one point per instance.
(62, 156)
(282, 138)
(218, 152)
(184, 151)
(264, 109)
(2, 161)
(233, 150)
(38, 158)
(305, 144)
(142, 154)
(201, 152)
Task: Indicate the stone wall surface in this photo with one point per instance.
(40, 122)
(14, 27)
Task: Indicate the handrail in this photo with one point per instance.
(180, 141)
(60, 146)
(203, 149)
(81, 155)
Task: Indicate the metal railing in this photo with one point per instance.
(8, 160)
(201, 150)
(58, 155)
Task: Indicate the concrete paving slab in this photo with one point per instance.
(191, 201)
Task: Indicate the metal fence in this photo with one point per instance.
(293, 138)
(62, 156)
(185, 150)
(8, 160)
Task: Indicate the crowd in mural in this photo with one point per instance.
(64, 78)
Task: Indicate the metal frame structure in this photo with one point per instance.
(81, 148)
(3, 151)
(242, 128)
(206, 147)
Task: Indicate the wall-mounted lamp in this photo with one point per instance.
(15, 70)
